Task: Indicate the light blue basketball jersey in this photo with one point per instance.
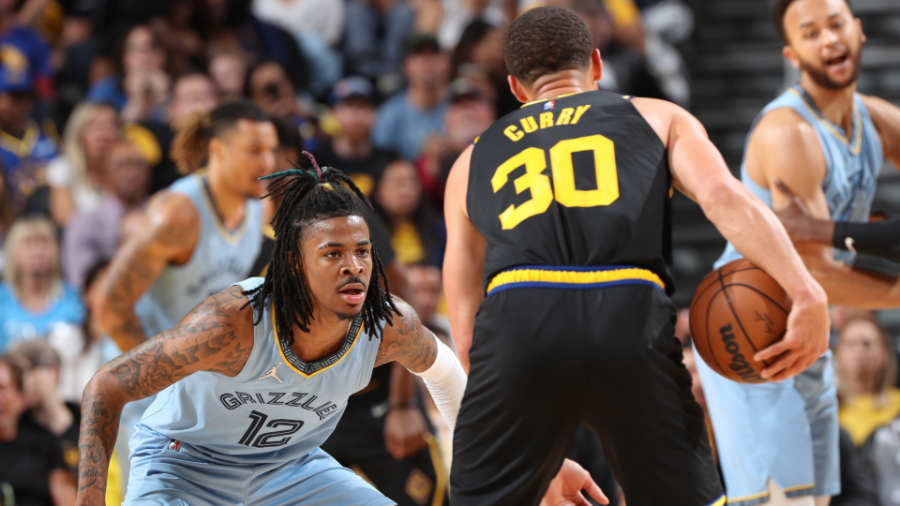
(278, 408)
(220, 258)
(788, 431)
(852, 164)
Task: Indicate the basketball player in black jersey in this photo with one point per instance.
(559, 238)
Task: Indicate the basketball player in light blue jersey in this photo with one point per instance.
(778, 442)
(255, 378)
(197, 237)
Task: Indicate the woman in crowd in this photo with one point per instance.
(867, 370)
(417, 232)
(33, 296)
(77, 178)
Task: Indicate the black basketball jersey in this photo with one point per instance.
(581, 180)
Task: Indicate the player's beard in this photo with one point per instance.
(820, 75)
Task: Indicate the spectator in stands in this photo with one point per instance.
(417, 232)
(318, 26)
(228, 71)
(470, 113)
(407, 120)
(867, 370)
(77, 178)
(374, 36)
(33, 296)
(81, 348)
(229, 26)
(7, 216)
(459, 14)
(26, 147)
(30, 461)
(191, 92)
(269, 87)
(881, 453)
(481, 47)
(427, 284)
(96, 234)
(839, 316)
(143, 86)
(28, 44)
(352, 102)
(46, 409)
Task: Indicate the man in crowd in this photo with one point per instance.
(352, 102)
(31, 463)
(96, 234)
(408, 119)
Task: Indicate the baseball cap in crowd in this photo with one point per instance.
(462, 88)
(15, 73)
(351, 87)
(415, 42)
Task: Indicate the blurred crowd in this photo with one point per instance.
(92, 93)
(868, 389)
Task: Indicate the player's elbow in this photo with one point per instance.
(719, 193)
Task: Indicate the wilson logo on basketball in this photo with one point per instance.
(738, 361)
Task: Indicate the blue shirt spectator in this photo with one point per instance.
(37, 52)
(33, 297)
(25, 147)
(407, 121)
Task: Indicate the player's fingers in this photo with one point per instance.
(773, 350)
(783, 363)
(594, 491)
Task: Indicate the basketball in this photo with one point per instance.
(737, 311)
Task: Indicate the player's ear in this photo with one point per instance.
(862, 35)
(788, 53)
(216, 148)
(518, 89)
(596, 66)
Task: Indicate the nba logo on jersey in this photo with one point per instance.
(549, 105)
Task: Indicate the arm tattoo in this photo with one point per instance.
(210, 338)
(408, 343)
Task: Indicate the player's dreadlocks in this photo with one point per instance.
(310, 196)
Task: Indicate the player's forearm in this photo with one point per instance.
(101, 407)
(847, 286)
(122, 325)
(754, 230)
(879, 239)
(464, 296)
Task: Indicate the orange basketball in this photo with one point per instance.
(737, 311)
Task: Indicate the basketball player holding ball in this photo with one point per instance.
(778, 442)
(559, 239)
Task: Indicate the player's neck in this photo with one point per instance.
(229, 203)
(567, 82)
(835, 105)
(325, 336)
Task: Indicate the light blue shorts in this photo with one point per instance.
(786, 431)
(164, 475)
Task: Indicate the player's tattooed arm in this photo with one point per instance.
(216, 336)
(168, 233)
(407, 341)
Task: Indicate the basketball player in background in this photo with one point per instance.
(778, 442)
(196, 238)
(573, 251)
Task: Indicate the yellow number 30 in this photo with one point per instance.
(535, 161)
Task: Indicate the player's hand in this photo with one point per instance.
(804, 342)
(794, 216)
(404, 431)
(566, 487)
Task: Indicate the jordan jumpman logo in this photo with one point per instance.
(271, 374)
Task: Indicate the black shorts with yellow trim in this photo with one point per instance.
(557, 348)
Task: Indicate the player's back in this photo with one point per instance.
(579, 181)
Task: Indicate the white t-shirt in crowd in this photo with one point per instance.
(61, 175)
(324, 18)
(457, 17)
(78, 363)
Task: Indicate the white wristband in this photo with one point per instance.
(446, 381)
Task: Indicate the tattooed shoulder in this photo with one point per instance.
(407, 341)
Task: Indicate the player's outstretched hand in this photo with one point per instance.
(404, 431)
(794, 216)
(804, 342)
(566, 487)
